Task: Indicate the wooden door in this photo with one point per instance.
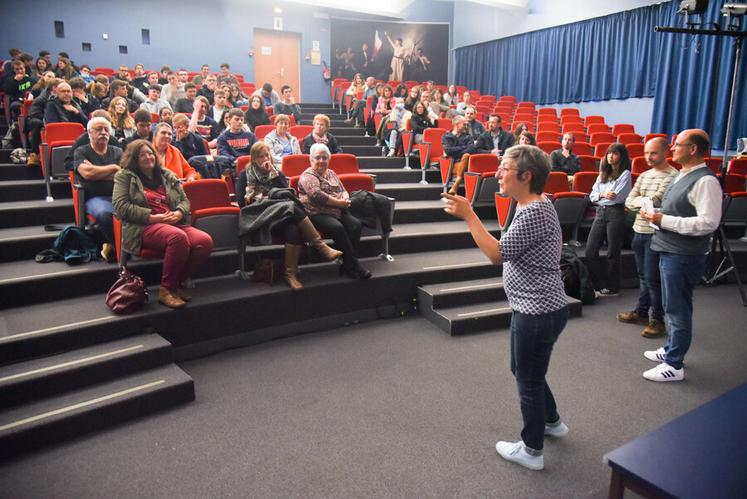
(277, 59)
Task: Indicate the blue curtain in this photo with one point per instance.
(615, 57)
(694, 84)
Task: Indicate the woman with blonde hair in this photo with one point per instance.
(122, 122)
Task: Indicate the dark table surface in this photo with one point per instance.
(702, 453)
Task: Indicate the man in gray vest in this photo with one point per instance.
(690, 212)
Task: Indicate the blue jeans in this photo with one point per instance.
(100, 208)
(679, 275)
(647, 263)
(532, 340)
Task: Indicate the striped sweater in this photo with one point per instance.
(650, 184)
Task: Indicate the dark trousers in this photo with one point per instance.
(609, 224)
(345, 232)
(34, 126)
(532, 340)
(288, 230)
(649, 279)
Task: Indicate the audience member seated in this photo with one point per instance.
(65, 69)
(123, 89)
(254, 186)
(519, 128)
(320, 135)
(401, 91)
(186, 103)
(563, 159)
(62, 109)
(458, 144)
(150, 202)
(419, 121)
(495, 140)
(225, 76)
(143, 121)
(236, 97)
(234, 141)
(451, 96)
(287, 104)
(438, 105)
(268, 95)
(43, 82)
(384, 107)
(35, 120)
(395, 123)
(189, 143)
(359, 105)
(123, 74)
(256, 114)
(461, 108)
(169, 156)
(139, 77)
(122, 122)
(154, 103)
(41, 66)
(163, 78)
(85, 74)
(413, 96)
(151, 79)
(209, 86)
(173, 90)
(425, 98)
(328, 205)
(200, 78)
(219, 108)
(164, 116)
(183, 76)
(85, 139)
(16, 86)
(526, 139)
(475, 128)
(86, 102)
(202, 124)
(280, 141)
(96, 164)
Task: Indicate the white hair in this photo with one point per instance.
(95, 121)
(318, 147)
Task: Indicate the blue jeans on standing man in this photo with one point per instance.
(679, 275)
(532, 340)
(647, 263)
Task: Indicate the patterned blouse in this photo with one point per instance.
(530, 249)
(314, 191)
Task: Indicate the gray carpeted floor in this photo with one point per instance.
(394, 409)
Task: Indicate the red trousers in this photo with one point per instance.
(184, 250)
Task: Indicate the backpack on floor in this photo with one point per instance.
(75, 246)
(576, 279)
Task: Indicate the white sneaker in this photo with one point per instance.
(664, 373)
(655, 355)
(559, 430)
(516, 452)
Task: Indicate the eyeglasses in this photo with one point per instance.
(503, 168)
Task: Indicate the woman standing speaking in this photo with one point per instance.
(530, 253)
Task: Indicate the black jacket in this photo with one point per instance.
(332, 145)
(54, 112)
(455, 147)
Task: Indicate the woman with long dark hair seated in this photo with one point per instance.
(150, 202)
(256, 114)
(328, 205)
(608, 194)
(255, 183)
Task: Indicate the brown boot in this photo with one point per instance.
(168, 298)
(311, 236)
(183, 294)
(292, 254)
(654, 329)
(33, 160)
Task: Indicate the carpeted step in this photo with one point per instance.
(345, 130)
(23, 243)
(460, 293)
(37, 212)
(33, 190)
(5, 155)
(12, 171)
(372, 150)
(408, 212)
(28, 427)
(482, 317)
(355, 140)
(34, 379)
(223, 307)
(378, 161)
(411, 192)
(400, 176)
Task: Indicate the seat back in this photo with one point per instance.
(444, 123)
(547, 136)
(574, 127)
(639, 165)
(262, 130)
(505, 206)
(207, 193)
(650, 136)
(635, 150)
(482, 163)
(738, 165)
(734, 183)
(294, 164)
(583, 149)
(587, 162)
(629, 138)
(597, 128)
(584, 181)
(601, 149)
(599, 137)
(623, 128)
(569, 111)
(343, 163)
(593, 119)
(300, 131)
(549, 147)
(557, 182)
(213, 212)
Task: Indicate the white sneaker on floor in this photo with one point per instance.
(655, 355)
(516, 453)
(664, 373)
(559, 430)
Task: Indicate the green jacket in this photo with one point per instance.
(131, 207)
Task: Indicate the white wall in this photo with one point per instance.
(634, 111)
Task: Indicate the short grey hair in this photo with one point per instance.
(530, 159)
(162, 124)
(95, 121)
(318, 147)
